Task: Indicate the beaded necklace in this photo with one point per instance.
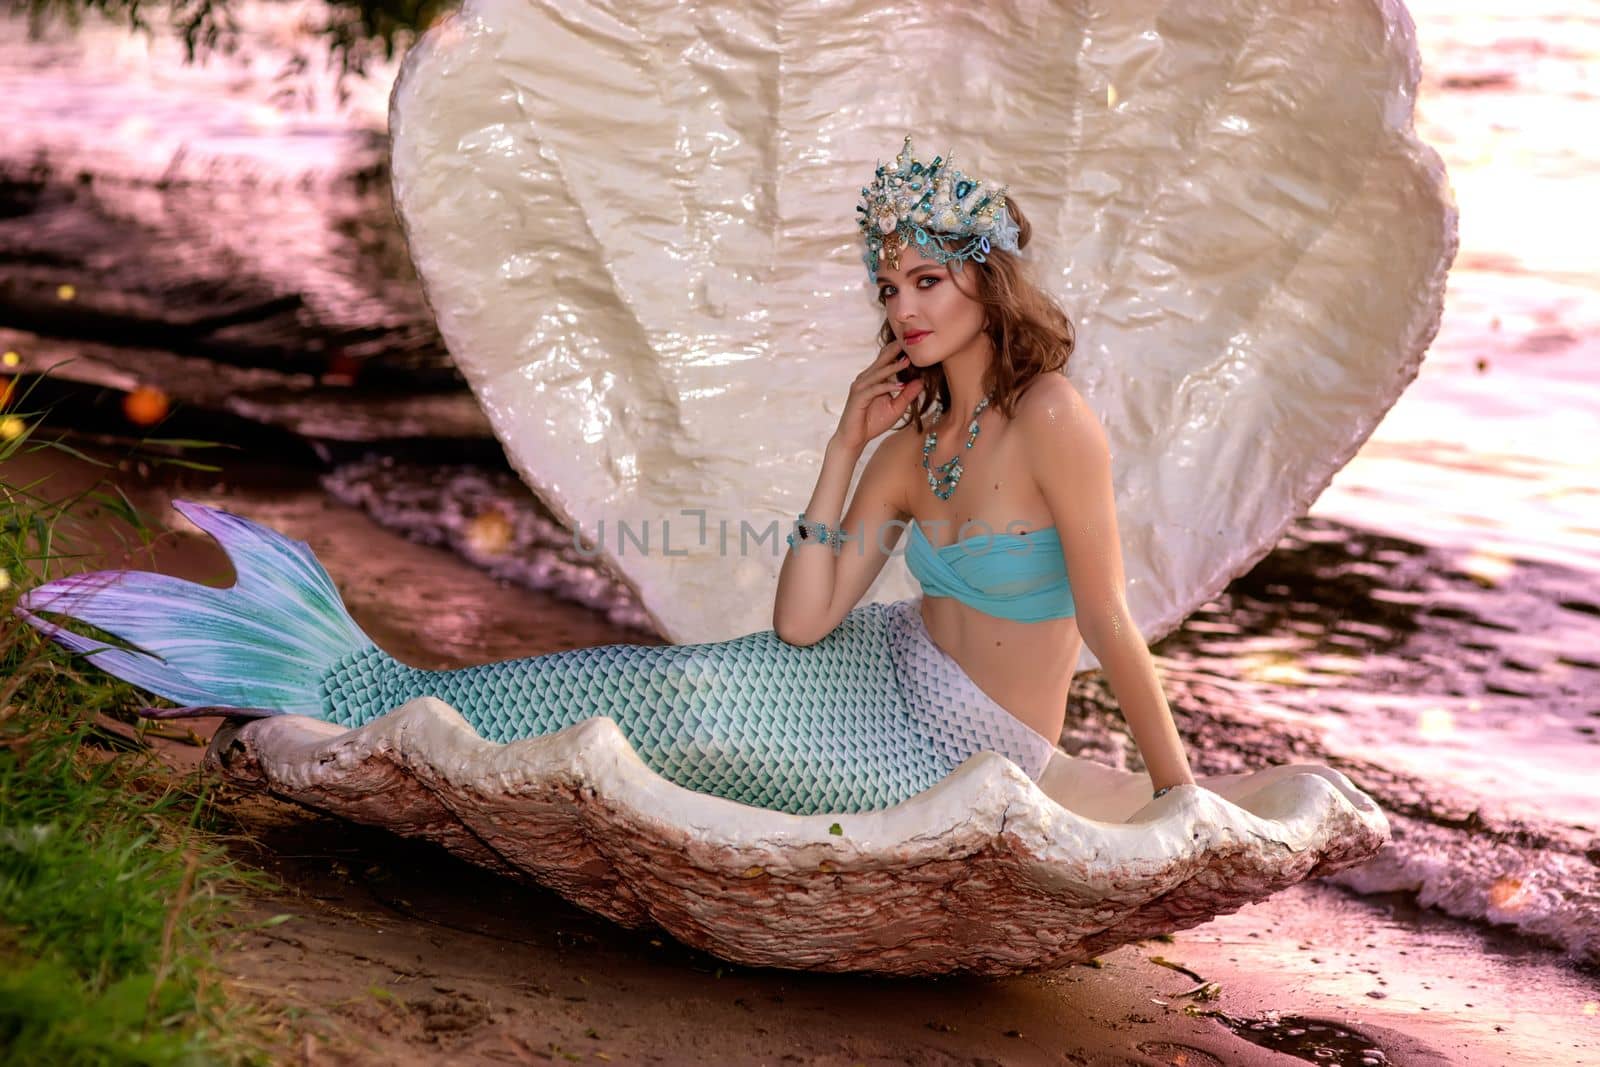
(950, 469)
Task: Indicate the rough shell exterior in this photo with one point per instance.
(986, 873)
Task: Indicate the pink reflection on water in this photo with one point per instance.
(1491, 449)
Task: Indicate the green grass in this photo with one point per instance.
(115, 887)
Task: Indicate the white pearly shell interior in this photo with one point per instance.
(639, 242)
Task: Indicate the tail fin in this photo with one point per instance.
(265, 643)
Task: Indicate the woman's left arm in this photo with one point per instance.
(1071, 462)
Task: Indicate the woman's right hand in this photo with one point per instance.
(877, 397)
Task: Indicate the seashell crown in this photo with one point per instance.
(927, 204)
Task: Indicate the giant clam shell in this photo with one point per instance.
(985, 873)
(640, 245)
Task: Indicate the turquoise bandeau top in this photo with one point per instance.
(991, 573)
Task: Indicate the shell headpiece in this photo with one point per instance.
(928, 204)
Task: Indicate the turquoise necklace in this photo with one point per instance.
(950, 469)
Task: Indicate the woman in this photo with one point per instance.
(850, 708)
(1000, 605)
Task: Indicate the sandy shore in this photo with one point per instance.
(398, 953)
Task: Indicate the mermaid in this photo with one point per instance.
(840, 706)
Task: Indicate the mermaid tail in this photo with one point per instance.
(262, 644)
(863, 719)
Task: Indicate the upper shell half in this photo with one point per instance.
(638, 240)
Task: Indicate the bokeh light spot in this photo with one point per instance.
(145, 406)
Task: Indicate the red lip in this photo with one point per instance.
(916, 335)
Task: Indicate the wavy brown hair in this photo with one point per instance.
(1030, 333)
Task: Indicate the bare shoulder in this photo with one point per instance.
(1052, 412)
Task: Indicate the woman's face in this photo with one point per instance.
(921, 298)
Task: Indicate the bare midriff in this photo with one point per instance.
(1025, 667)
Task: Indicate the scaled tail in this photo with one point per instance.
(263, 645)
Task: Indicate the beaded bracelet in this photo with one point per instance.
(822, 538)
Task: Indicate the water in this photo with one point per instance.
(1480, 674)
(1431, 626)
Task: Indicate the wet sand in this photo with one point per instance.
(399, 953)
